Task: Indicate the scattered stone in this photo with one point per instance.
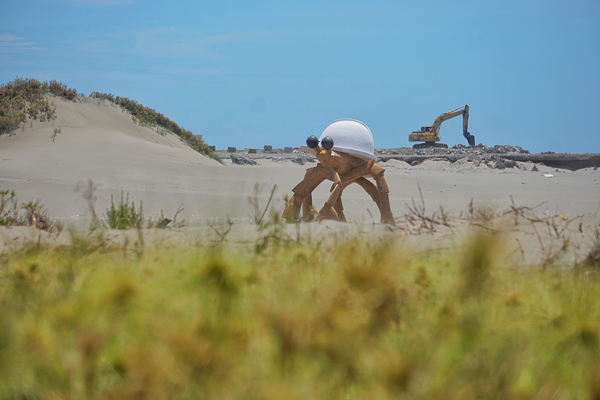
(297, 160)
(460, 157)
(506, 149)
(239, 160)
(458, 149)
(163, 224)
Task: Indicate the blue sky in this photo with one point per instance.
(247, 74)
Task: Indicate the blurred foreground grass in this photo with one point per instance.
(364, 319)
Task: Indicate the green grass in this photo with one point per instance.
(23, 99)
(361, 319)
(124, 216)
(34, 213)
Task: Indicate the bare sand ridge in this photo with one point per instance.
(100, 142)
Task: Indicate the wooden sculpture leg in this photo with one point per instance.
(370, 188)
(292, 209)
(339, 209)
(328, 211)
(288, 212)
(386, 210)
(307, 215)
(380, 198)
(384, 200)
(313, 178)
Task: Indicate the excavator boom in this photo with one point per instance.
(430, 134)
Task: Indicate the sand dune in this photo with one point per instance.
(95, 131)
(97, 141)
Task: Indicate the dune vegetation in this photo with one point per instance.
(24, 99)
(349, 317)
(13, 212)
(148, 117)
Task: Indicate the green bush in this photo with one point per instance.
(124, 216)
(9, 208)
(36, 214)
(24, 98)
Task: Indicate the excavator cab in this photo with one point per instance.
(424, 135)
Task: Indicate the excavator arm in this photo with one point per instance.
(464, 111)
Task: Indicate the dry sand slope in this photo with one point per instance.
(97, 141)
(100, 142)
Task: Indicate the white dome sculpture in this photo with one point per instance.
(349, 136)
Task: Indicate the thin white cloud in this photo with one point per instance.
(188, 71)
(95, 3)
(12, 42)
(167, 43)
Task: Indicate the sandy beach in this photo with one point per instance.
(98, 142)
(485, 255)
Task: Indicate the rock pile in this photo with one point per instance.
(239, 160)
(497, 157)
(458, 149)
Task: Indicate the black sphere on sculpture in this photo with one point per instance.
(327, 143)
(312, 141)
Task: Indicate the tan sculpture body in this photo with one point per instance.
(343, 169)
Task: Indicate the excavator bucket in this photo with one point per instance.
(471, 140)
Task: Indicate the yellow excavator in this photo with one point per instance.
(429, 134)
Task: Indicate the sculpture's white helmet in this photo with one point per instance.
(350, 136)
